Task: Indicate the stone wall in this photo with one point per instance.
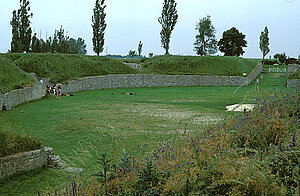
(293, 83)
(22, 162)
(19, 96)
(151, 80)
(37, 91)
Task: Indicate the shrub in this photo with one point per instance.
(270, 62)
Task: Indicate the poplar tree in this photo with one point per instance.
(168, 21)
(264, 43)
(140, 46)
(21, 30)
(99, 26)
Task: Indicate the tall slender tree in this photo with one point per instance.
(168, 21)
(99, 26)
(206, 42)
(264, 43)
(140, 47)
(21, 30)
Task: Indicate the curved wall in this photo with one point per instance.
(37, 91)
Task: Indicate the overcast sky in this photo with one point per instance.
(131, 21)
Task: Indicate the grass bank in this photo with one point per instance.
(12, 77)
(64, 67)
(200, 65)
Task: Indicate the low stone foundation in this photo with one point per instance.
(293, 83)
(27, 161)
(22, 162)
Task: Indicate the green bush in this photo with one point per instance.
(204, 65)
(12, 77)
(12, 143)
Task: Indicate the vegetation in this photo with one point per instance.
(58, 43)
(99, 26)
(168, 21)
(295, 75)
(62, 67)
(132, 53)
(12, 77)
(140, 47)
(264, 43)
(232, 42)
(206, 42)
(280, 57)
(208, 65)
(83, 127)
(12, 143)
(21, 30)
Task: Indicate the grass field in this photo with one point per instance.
(80, 128)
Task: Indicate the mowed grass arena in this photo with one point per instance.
(82, 127)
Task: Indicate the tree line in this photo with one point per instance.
(231, 43)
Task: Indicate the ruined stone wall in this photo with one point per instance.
(293, 67)
(37, 91)
(19, 96)
(293, 83)
(22, 162)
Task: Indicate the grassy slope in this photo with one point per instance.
(63, 67)
(114, 123)
(205, 65)
(12, 77)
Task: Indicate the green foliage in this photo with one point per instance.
(77, 46)
(205, 65)
(58, 43)
(280, 57)
(12, 143)
(106, 174)
(12, 77)
(264, 43)
(132, 53)
(99, 26)
(62, 67)
(36, 44)
(148, 178)
(168, 21)
(150, 54)
(269, 62)
(140, 46)
(206, 43)
(21, 30)
(232, 42)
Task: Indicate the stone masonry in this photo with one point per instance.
(37, 91)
